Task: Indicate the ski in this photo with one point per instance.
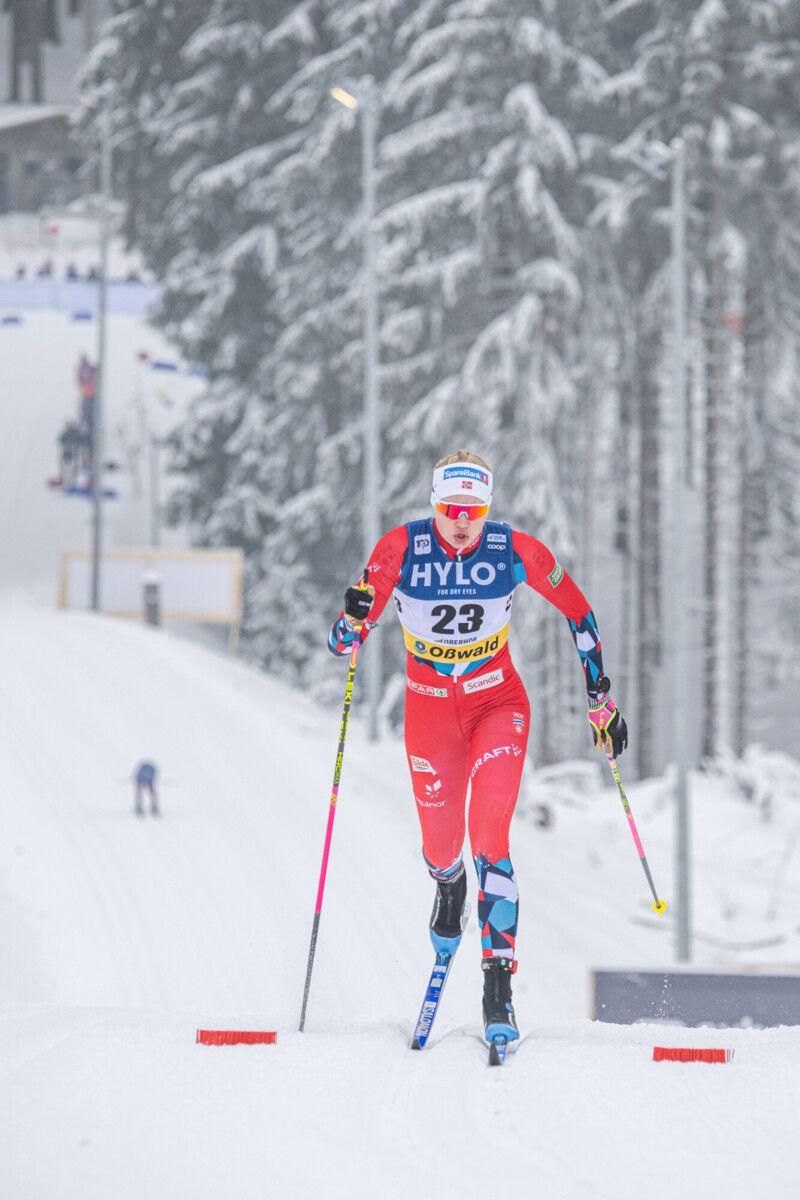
(497, 1051)
(433, 996)
(445, 953)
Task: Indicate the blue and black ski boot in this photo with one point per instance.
(498, 1012)
(446, 924)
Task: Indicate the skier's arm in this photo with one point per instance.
(537, 566)
(549, 579)
(384, 569)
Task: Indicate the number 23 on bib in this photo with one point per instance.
(451, 611)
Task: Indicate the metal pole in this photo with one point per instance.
(371, 508)
(100, 380)
(155, 539)
(680, 543)
(88, 25)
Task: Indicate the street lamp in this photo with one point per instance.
(680, 543)
(89, 25)
(370, 502)
(100, 379)
(674, 156)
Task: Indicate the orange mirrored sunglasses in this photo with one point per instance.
(471, 511)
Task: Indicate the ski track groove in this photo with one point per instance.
(84, 845)
(131, 933)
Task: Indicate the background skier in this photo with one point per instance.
(144, 781)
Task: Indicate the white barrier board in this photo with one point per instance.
(194, 585)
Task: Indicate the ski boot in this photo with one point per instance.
(447, 918)
(499, 1022)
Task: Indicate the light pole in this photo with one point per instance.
(680, 542)
(89, 25)
(674, 155)
(148, 448)
(100, 379)
(155, 538)
(370, 501)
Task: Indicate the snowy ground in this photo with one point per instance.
(119, 938)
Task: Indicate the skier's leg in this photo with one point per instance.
(497, 756)
(438, 759)
(446, 923)
(498, 906)
(499, 1019)
(498, 912)
(499, 741)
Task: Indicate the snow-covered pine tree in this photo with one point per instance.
(256, 232)
(715, 74)
(734, 85)
(509, 319)
(628, 260)
(769, 448)
(128, 80)
(483, 247)
(250, 202)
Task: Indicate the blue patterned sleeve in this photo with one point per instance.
(587, 643)
(340, 638)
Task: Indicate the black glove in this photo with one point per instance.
(609, 730)
(358, 602)
(617, 733)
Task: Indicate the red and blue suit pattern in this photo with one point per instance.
(466, 710)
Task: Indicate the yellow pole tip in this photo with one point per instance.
(659, 907)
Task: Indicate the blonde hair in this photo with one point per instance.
(465, 456)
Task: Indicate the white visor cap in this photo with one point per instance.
(462, 479)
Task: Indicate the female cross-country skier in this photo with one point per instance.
(452, 577)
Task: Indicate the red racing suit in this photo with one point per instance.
(466, 710)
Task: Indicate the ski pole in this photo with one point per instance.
(659, 905)
(348, 696)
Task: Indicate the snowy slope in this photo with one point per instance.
(119, 938)
(122, 937)
(38, 394)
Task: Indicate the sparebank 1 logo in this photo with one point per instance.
(463, 471)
